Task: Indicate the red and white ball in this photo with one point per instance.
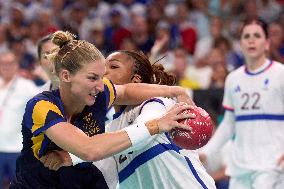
(201, 130)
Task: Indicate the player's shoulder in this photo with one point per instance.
(160, 100)
(49, 96)
(278, 66)
(235, 74)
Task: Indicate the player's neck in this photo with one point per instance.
(255, 63)
(70, 104)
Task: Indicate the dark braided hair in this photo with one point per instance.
(149, 73)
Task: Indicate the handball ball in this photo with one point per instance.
(201, 130)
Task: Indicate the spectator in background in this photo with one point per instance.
(201, 74)
(75, 17)
(187, 31)
(17, 27)
(233, 59)
(3, 38)
(12, 106)
(47, 71)
(219, 69)
(181, 62)
(276, 36)
(97, 36)
(33, 36)
(204, 45)
(199, 18)
(128, 44)
(26, 60)
(155, 14)
(116, 32)
(46, 23)
(268, 9)
(140, 34)
(161, 50)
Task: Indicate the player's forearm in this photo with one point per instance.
(223, 134)
(137, 93)
(100, 146)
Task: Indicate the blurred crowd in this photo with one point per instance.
(195, 39)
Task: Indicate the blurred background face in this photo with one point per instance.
(119, 68)
(46, 64)
(276, 35)
(253, 41)
(8, 66)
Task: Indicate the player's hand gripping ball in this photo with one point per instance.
(201, 130)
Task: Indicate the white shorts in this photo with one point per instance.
(258, 180)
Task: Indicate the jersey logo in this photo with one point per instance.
(90, 126)
(237, 89)
(266, 83)
(123, 158)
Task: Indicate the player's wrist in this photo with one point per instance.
(137, 133)
(153, 126)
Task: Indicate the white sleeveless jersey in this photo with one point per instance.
(157, 163)
(257, 101)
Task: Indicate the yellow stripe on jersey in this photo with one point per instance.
(37, 141)
(40, 112)
(111, 91)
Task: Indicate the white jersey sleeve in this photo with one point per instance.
(221, 136)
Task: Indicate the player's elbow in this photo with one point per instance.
(92, 155)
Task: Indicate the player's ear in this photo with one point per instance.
(136, 78)
(65, 76)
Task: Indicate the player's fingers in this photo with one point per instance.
(48, 162)
(185, 116)
(55, 166)
(183, 126)
(43, 159)
(180, 108)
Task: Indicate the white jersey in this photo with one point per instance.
(157, 163)
(257, 102)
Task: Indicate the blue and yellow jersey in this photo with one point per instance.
(44, 111)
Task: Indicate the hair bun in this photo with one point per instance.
(61, 38)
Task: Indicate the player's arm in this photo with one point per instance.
(150, 110)
(136, 93)
(223, 134)
(225, 130)
(95, 148)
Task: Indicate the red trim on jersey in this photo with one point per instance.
(228, 108)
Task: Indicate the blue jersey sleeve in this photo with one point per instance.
(110, 92)
(44, 114)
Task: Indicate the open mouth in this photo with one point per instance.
(93, 95)
(251, 48)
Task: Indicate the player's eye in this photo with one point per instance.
(246, 36)
(113, 67)
(93, 78)
(257, 35)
